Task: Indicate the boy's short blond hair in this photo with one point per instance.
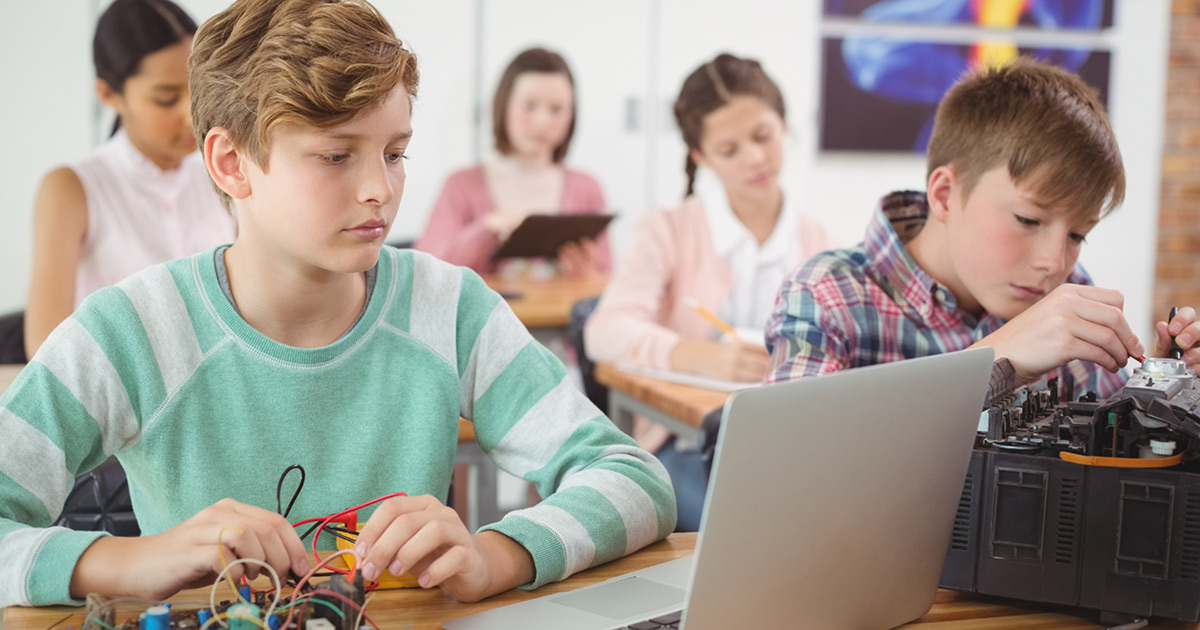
(1045, 124)
(263, 63)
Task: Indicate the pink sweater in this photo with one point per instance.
(456, 232)
(642, 315)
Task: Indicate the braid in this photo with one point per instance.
(690, 169)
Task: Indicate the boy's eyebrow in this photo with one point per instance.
(344, 135)
(168, 87)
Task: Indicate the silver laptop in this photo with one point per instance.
(830, 506)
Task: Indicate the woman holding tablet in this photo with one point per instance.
(533, 119)
(723, 252)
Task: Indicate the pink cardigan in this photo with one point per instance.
(641, 315)
(456, 232)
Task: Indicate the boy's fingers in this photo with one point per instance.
(1187, 337)
(1110, 297)
(385, 550)
(423, 545)
(277, 553)
(444, 567)
(379, 521)
(1108, 317)
(1099, 345)
(1184, 317)
(245, 545)
(376, 532)
(216, 566)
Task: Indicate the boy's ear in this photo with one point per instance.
(226, 164)
(940, 189)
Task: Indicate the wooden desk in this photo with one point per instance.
(545, 302)
(8, 374)
(680, 408)
(426, 610)
(414, 609)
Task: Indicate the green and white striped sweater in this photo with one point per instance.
(198, 406)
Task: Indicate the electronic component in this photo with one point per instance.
(344, 598)
(1128, 467)
(385, 580)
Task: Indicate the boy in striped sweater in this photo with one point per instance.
(307, 342)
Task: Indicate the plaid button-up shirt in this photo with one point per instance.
(872, 304)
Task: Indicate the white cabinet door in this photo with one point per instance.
(606, 45)
(780, 35)
(442, 35)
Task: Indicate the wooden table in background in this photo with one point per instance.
(680, 408)
(8, 374)
(545, 302)
(416, 609)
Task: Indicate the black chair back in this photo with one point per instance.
(100, 502)
(580, 313)
(12, 338)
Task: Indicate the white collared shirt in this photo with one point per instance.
(758, 270)
(140, 215)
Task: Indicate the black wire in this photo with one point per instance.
(309, 530)
(279, 490)
(343, 529)
(340, 534)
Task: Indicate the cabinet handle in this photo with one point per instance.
(633, 106)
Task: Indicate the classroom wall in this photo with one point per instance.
(47, 112)
(461, 43)
(1179, 220)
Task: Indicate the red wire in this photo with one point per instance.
(329, 519)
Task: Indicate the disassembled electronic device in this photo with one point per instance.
(331, 605)
(1087, 502)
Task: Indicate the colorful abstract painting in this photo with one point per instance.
(879, 91)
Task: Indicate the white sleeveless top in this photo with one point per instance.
(140, 215)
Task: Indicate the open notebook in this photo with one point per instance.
(684, 378)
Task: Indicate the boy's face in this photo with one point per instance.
(331, 195)
(1006, 249)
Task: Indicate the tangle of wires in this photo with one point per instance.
(338, 603)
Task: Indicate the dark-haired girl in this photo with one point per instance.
(141, 198)
(727, 248)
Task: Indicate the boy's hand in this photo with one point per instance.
(1186, 331)
(186, 556)
(421, 536)
(578, 259)
(733, 360)
(1072, 322)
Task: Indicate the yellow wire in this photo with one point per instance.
(225, 565)
(220, 616)
(362, 612)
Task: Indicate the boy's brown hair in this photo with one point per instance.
(263, 63)
(1046, 125)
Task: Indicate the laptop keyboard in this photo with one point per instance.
(662, 622)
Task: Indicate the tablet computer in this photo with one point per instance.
(540, 235)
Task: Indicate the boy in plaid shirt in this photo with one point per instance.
(1022, 165)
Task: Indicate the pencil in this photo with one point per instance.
(695, 305)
